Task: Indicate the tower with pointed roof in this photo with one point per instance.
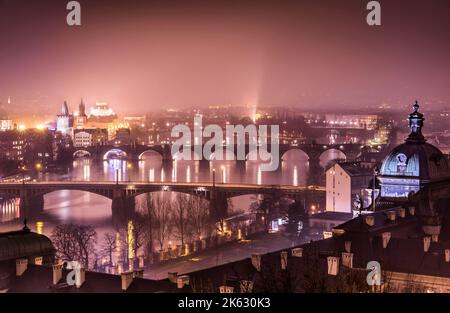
(64, 120)
(81, 118)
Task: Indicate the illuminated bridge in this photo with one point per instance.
(123, 194)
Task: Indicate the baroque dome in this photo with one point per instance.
(421, 160)
(413, 164)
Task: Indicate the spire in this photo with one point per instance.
(25, 226)
(65, 109)
(415, 125)
(82, 108)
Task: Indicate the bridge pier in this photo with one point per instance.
(204, 165)
(241, 167)
(218, 205)
(315, 172)
(122, 208)
(30, 206)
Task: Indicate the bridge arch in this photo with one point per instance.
(81, 154)
(114, 153)
(294, 153)
(227, 155)
(154, 152)
(331, 154)
(258, 155)
(193, 155)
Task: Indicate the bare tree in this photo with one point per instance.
(138, 232)
(108, 247)
(75, 242)
(198, 217)
(268, 207)
(180, 218)
(149, 213)
(161, 217)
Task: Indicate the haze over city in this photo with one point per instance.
(143, 55)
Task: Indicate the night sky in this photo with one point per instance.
(146, 55)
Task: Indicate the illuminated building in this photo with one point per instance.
(89, 137)
(103, 117)
(413, 164)
(64, 121)
(11, 146)
(6, 124)
(102, 113)
(343, 182)
(81, 117)
(123, 136)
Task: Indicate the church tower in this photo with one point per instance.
(63, 120)
(81, 119)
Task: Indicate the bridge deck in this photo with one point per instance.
(140, 184)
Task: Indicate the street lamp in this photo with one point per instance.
(214, 177)
(38, 167)
(117, 176)
(23, 168)
(223, 174)
(129, 167)
(376, 172)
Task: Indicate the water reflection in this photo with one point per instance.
(9, 210)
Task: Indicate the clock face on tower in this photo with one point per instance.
(401, 163)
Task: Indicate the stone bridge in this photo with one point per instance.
(123, 194)
(136, 152)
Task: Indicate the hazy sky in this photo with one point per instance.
(144, 55)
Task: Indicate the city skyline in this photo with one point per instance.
(171, 54)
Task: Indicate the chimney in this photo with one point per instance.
(297, 252)
(447, 255)
(182, 280)
(139, 273)
(348, 246)
(226, 289)
(391, 216)
(435, 237)
(256, 261)
(173, 277)
(38, 260)
(412, 210)
(119, 267)
(127, 279)
(402, 212)
(21, 266)
(333, 265)
(246, 286)
(57, 273)
(81, 277)
(347, 259)
(386, 237)
(426, 243)
(370, 220)
(284, 259)
(141, 261)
